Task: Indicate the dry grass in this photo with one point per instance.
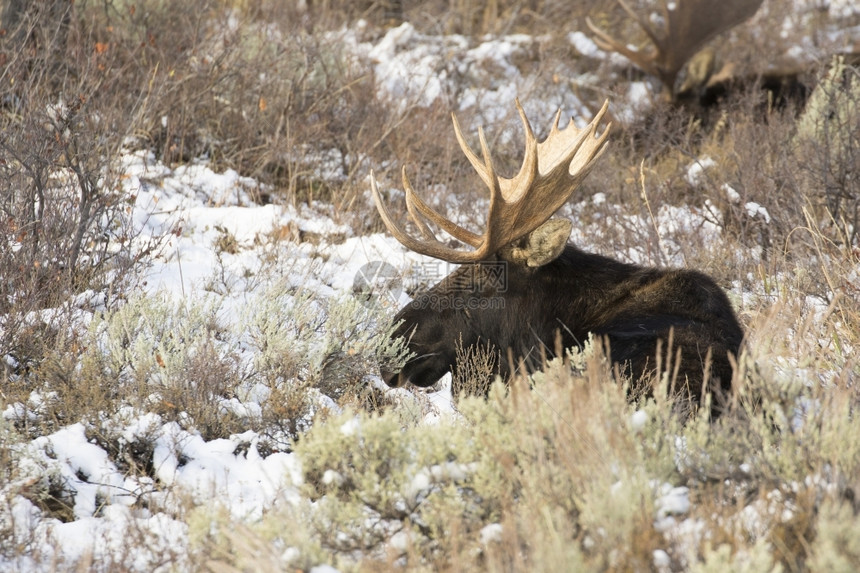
(553, 473)
(563, 470)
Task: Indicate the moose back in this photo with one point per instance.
(521, 288)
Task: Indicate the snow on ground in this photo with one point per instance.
(197, 207)
(414, 69)
(202, 211)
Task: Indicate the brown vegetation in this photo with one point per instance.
(266, 88)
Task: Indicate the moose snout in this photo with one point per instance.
(392, 379)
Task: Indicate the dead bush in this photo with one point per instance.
(475, 370)
(828, 150)
(65, 111)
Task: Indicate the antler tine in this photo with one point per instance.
(555, 121)
(529, 170)
(609, 44)
(643, 23)
(413, 201)
(479, 166)
(430, 246)
(392, 227)
(550, 172)
(582, 165)
(416, 216)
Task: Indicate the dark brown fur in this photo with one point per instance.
(578, 293)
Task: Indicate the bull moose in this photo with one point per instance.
(553, 290)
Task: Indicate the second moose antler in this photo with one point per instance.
(551, 171)
(687, 26)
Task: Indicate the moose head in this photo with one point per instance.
(522, 290)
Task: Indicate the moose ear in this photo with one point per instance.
(541, 246)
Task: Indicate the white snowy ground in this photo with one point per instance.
(205, 206)
(106, 502)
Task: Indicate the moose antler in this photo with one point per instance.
(687, 26)
(551, 171)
